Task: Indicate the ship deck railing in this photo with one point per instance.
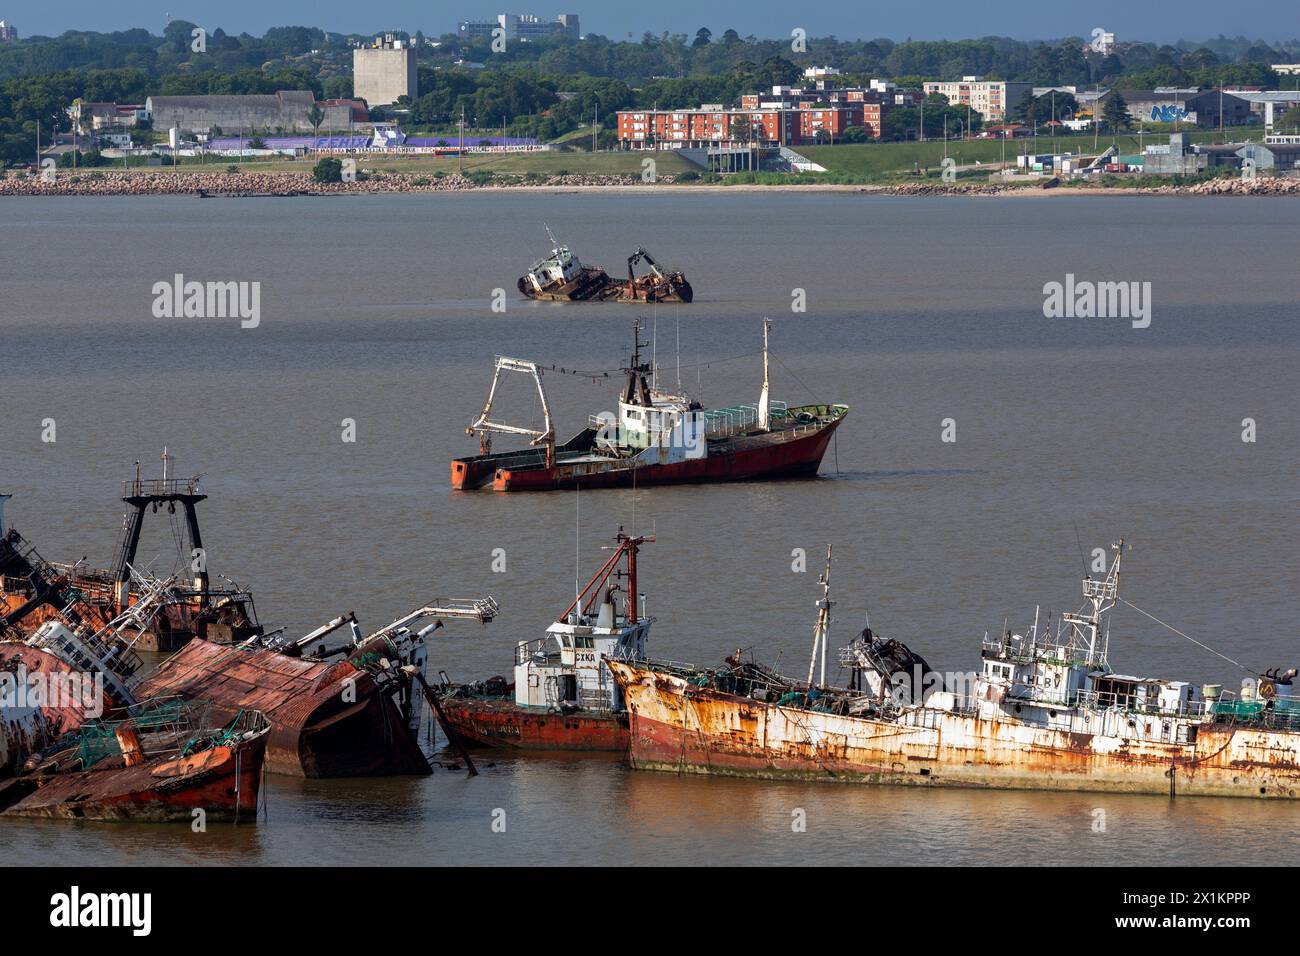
(159, 487)
(1281, 712)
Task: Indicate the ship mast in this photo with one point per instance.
(764, 403)
(821, 631)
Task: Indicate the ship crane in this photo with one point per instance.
(484, 424)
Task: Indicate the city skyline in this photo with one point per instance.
(1197, 20)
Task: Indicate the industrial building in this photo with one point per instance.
(992, 99)
(285, 111)
(1207, 109)
(1276, 157)
(1180, 157)
(384, 72)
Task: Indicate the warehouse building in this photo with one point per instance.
(286, 111)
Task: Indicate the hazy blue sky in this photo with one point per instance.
(929, 19)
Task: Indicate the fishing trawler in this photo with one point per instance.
(561, 277)
(562, 696)
(656, 437)
(1044, 712)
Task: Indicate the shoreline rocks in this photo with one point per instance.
(252, 183)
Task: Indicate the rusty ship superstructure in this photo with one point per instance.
(657, 436)
(561, 277)
(33, 590)
(562, 695)
(1044, 712)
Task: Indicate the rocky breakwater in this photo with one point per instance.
(254, 183)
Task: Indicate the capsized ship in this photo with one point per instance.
(349, 711)
(562, 696)
(656, 437)
(561, 277)
(1044, 712)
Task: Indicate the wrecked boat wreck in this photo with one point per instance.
(1044, 712)
(33, 591)
(349, 711)
(563, 696)
(656, 437)
(561, 277)
(162, 762)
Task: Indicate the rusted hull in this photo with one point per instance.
(223, 783)
(682, 728)
(494, 722)
(26, 730)
(327, 720)
(798, 457)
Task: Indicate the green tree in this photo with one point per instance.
(328, 170)
(315, 116)
(703, 37)
(1114, 112)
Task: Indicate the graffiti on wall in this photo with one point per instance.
(1171, 113)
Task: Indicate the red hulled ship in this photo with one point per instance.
(563, 696)
(656, 437)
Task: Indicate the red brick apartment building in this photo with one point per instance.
(787, 117)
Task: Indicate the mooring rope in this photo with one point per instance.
(1188, 637)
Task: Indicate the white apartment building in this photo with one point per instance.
(992, 99)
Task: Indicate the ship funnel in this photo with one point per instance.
(606, 617)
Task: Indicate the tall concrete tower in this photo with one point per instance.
(384, 71)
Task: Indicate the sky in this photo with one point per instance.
(845, 19)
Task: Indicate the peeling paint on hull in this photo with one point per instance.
(685, 729)
(503, 723)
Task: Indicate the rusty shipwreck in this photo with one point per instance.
(656, 437)
(561, 277)
(346, 711)
(1044, 712)
(161, 762)
(33, 591)
(562, 696)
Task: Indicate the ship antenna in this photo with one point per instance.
(821, 631)
(577, 545)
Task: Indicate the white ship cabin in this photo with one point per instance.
(564, 670)
(1059, 677)
(561, 267)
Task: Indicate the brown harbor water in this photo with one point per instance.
(378, 309)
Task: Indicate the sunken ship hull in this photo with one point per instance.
(680, 727)
(501, 723)
(223, 782)
(593, 284)
(327, 719)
